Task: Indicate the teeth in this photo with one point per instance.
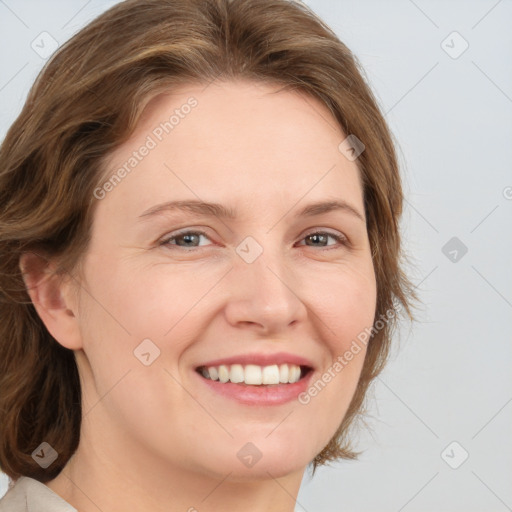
(271, 374)
(283, 374)
(237, 373)
(252, 374)
(294, 374)
(223, 373)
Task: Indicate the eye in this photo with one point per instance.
(319, 238)
(189, 239)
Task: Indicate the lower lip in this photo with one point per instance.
(275, 394)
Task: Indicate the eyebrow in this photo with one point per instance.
(221, 211)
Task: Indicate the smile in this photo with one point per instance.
(255, 375)
(257, 379)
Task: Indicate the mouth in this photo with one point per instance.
(257, 380)
(255, 375)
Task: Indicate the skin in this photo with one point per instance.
(156, 437)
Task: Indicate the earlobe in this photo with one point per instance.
(51, 296)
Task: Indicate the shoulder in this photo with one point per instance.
(30, 495)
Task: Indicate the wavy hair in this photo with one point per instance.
(86, 102)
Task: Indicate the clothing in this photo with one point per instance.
(30, 495)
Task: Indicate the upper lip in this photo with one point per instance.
(260, 360)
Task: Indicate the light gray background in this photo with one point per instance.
(451, 379)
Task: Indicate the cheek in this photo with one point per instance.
(146, 301)
(344, 299)
(126, 306)
(345, 303)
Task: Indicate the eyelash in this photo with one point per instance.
(341, 239)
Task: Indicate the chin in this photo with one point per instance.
(263, 459)
(274, 467)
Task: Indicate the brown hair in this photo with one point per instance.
(85, 103)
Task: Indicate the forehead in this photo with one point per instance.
(230, 140)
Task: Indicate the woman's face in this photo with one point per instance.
(169, 292)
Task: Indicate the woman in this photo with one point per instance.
(201, 260)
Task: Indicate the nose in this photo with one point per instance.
(264, 295)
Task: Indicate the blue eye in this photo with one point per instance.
(191, 239)
(322, 236)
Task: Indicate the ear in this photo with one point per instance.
(53, 298)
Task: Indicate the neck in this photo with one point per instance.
(109, 477)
